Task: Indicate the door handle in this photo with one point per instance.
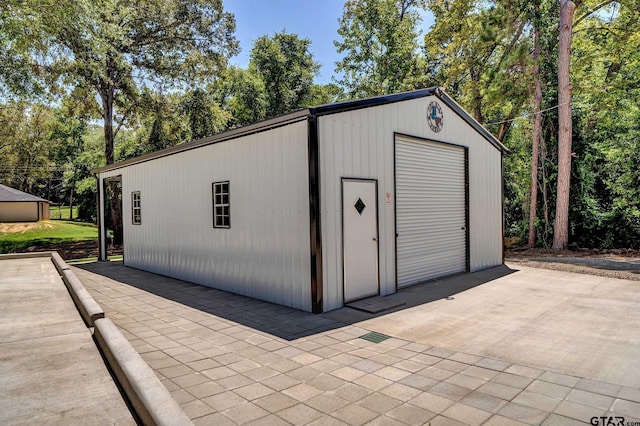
(375, 238)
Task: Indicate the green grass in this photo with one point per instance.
(93, 259)
(17, 236)
(62, 212)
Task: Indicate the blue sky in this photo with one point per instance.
(316, 20)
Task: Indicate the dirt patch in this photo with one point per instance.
(22, 227)
(616, 263)
(541, 252)
(75, 249)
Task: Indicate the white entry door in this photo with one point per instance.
(360, 238)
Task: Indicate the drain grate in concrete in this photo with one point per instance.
(375, 337)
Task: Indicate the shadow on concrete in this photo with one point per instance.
(281, 321)
(429, 291)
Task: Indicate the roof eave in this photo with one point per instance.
(209, 140)
(314, 111)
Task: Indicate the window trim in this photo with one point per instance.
(134, 208)
(223, 205)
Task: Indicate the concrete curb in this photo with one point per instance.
(25, 255)
(88, 307)
(150, 399)
(58, 262)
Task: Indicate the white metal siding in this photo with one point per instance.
(23, 211)
(265, 254)
(359, 143)
(430, 209)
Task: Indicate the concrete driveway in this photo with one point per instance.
(51, 371)
(582, 325)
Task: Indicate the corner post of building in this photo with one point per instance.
(102, 233)
(314, 212)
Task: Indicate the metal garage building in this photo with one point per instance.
(321, 206)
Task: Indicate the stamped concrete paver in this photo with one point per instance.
(579, 325)
(251, 362)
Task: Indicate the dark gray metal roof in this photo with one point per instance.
(304, 114)
(8, 194)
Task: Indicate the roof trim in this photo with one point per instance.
(371, 102)
(260, 126)
(317, 111)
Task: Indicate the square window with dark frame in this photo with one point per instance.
(136, 208)
(221, 205)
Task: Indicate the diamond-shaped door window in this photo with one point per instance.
(360, 206)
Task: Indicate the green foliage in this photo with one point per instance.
(605, 199)
(26, 145)
(320, 94)
(287, 69)
(279, 79)
(479, 51)
(242, 93)
(380, 47)
(198, 108)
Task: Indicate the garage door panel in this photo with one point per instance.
(430, 210)
(417, 241)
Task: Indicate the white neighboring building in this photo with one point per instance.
(322, 206)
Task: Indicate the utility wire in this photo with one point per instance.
(527, 115)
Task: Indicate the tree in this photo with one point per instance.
(26, 145)
(287, 69)
(113, 47)
(561, 225)
(320, 94)
(204, 114)
(537, 126)
(68, 132)
(380, 46)
(242, 94)
(279, 79)
(479, 51)
(198, 109)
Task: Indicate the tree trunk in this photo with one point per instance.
(71, 202)
(477, 96)
(544, 189)
(107, 107)
(537, 127)
(115, 205)
(561, 225)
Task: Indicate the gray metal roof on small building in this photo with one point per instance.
(316, 111)
(8, 194)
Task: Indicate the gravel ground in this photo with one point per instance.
(623, 264)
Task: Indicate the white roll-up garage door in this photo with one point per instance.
(430, 210)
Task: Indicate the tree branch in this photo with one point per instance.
(591, 12)
(124, 118)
